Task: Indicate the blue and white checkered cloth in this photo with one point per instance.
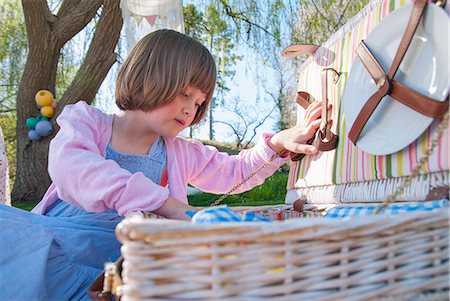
(347, 211)
(221, 214)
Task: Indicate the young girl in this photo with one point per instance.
(104, 167)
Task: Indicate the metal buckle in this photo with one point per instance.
(381, 82)
(112, 282)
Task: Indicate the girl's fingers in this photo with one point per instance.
(311, 107)
(313, 112)
(304, 149)
(312, 127)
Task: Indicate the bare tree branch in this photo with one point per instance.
(239, 16)
(7, 110)
(317, 9)
(235, 131)
(46, 40)
(245, 128)
(257, 126)
(336, 26)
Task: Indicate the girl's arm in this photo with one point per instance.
(217, 172)
(174, 209)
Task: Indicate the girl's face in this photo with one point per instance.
(170, 119)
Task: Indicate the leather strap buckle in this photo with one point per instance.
(303, 99)
(327, 139)
(384, 85)
(107, 286)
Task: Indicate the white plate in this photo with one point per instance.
(425, 68)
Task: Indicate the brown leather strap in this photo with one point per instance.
(416, 101)
(95, 291)
(298, 157)
(303, 99)
(369, 62)
(299, 49)
(327, 139)
(384, 82)
(367, 111)
(416, 14)
(327, 144)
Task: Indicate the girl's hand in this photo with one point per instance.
(294, 139)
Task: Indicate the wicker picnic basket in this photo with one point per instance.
(401, 256)
(365, 258)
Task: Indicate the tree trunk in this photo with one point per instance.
(47, 34)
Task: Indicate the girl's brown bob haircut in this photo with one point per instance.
(161, 66)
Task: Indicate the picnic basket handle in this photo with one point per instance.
(327, 139)
(299, 49)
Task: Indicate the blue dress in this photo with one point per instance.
(58, 255)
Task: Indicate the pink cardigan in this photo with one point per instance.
(82, 177)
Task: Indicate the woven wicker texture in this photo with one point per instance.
(366, 258)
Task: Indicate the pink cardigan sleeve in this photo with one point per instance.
(84, 178)
(216, 172)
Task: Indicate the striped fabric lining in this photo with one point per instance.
(348, 164)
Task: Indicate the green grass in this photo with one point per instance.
(272, 192)
(26, 205)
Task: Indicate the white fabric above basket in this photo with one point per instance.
(144, 16)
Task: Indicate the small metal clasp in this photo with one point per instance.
(381, 82)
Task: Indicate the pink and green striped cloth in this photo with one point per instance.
(348, 164)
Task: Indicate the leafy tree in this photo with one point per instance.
(13, 44)
(312, 23)
(48, 32)
(8, 125)
(211, 29)
(50, 27)
(52, 63)
(262, 27)
(318, 19)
